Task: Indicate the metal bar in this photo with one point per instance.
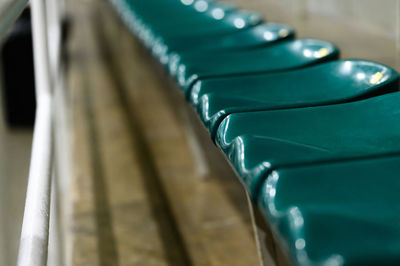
(35, 228)
(54, 16)
(61, 179)
(9, 12)
(264, 255)
(58, 245)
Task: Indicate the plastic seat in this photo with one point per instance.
(193, 31)
(156, 11)
(251, 38)
(327, 83)
(197, 20)
(258, 142)
(281, 56)
(151, 10)
(147, 22)
(336, 214)
(164, 21)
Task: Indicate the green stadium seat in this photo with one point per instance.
(173, 20)
(192, 31)
(258, 142)
(322, 84)
(279, 57)
(251, 38)
(336, 213)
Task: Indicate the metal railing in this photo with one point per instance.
(9, 12)
(33, 248)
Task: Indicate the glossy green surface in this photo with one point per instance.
(281, 56)
(251, 38)
(151, 11)
(141, 16)
(327, 83)
(258, 35)
(188, 29)
(165, 14)
(174, 21)
(336, 214)
(258, 142)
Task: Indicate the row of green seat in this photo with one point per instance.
(315, 140)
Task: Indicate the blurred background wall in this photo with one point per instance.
(367, 29)
(374, 13)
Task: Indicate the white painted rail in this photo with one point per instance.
(33, 248)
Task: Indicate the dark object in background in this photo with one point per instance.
(18, 74)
